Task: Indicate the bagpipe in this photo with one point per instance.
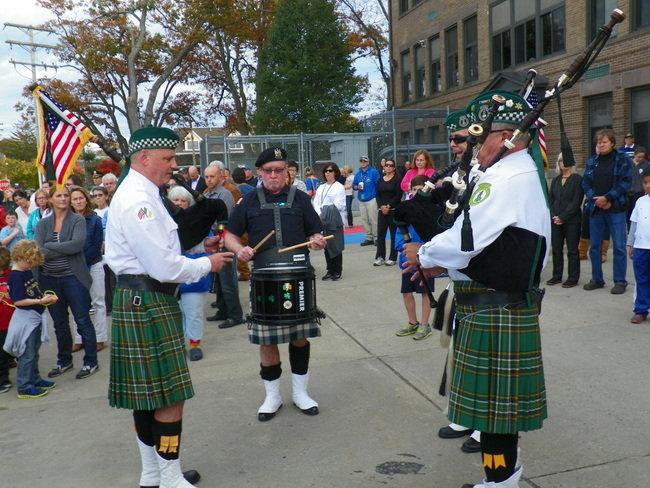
(435, 208)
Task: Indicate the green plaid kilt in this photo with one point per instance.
(497, 382)
(281, 334)
(148, 366)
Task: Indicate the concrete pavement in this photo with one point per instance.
(380, 410)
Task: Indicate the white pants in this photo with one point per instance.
(98, 302)
(192, 308)
(369, 218)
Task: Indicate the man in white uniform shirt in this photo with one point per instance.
(497, 385)
(149, 373)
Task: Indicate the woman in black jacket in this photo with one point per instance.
(565, 199)
(388, 196)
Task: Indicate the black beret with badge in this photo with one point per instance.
(271, 154)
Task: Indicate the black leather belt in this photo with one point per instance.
(143, 282)
(493, 297)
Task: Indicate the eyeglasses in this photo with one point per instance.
(457, 139)
(277, 171)
(389, 165)
(329, 170)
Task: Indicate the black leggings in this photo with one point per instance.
(384, 223)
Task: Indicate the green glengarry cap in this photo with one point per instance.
(458, 120)
(152, 138)
(511, 113)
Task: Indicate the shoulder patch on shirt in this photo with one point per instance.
(481, 194)
(144, 214)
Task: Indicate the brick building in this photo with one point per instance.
(445, 52)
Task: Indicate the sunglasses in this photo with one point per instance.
(329, 170)
(97, 195)
(390, 165)
(458, 139)
(277, 171)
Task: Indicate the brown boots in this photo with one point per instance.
(583, 250)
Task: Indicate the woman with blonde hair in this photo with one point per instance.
(349, 192)
(422, 164)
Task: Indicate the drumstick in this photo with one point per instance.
(291, 248)
(261, 243)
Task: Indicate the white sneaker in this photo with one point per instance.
(389, 262)
(379, 262)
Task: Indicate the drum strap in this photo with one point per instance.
(276, 207)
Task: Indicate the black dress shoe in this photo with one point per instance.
(265, 417)
(470, 446)
(468, 486)
(216, 317)
(336, 276)
(367, 243)
(447, 432)
(569, 284)
(228, 323)
(308, 411)
(554, 281)
(328, 276)
(192, 476)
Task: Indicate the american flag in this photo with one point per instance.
(533, 100)
(61, 137)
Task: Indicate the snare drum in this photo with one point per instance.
(283, 295)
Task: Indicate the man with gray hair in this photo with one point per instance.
(229, 310)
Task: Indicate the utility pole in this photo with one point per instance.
(31, 47)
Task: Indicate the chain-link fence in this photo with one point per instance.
(395, 134)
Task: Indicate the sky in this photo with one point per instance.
(14, 79)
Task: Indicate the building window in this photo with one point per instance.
(599, 11)
(470, 36)
(641, 116)
(500, 27)
(451, 56)
(420, 79)
(403, 6)
(405, 138)
(419, 136)
(434, 55)
(525, 30)
(600, 116)
(434, 134)
(191, 145)
(641, 14)
(553, 24)
(407, 89)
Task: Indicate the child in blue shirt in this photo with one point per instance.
(419, 330)
(12, 233)
(24, 335)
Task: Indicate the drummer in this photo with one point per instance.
(275, 206)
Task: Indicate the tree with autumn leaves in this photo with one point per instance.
(172, 62)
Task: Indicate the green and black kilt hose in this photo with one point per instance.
(148, 366)
(271, 334)
(497, 382)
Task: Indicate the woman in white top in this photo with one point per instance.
(331, 193)
(22, 208)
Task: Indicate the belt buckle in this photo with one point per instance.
(137, 301)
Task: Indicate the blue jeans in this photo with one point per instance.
(192, 307)
(641, 265)
(71, 294)
(227, 290)
(27, 374)
(599, 223)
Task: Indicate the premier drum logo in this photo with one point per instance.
(301, 296)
